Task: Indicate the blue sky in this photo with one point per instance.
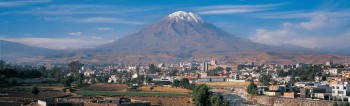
(73, 24)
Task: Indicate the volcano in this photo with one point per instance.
(184, 33)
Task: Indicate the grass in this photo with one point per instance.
(112, 93)
(165, 89)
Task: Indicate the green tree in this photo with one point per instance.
(228, 69)
(184, 82)
(35, 90)
(42, 68)
(346, 104)
(67, 81)
(174, 72)
(201, 95)
(252, 88)
(217, 100)
(93, 80)
(335, 104)
(153, 69)
(215, 71)
(2, 65)
(219, 68)
(75, 66)
(53, 73)
(14, 82)
(176, 83)
(226, 103)
(80, 78)
(265, 79)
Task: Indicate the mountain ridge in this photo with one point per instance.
(185, 31)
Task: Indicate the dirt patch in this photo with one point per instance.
(15, 98)
(40, 95)
(165, 89)
(105, 87)
(167, 101)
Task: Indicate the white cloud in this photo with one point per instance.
(105, 29)
(75, 33)
(77, 9)
(276, 37)
(302, 14)
(317, 21)
(96, 37)
(93, 20)
(232, 9)
(60, 43)
(310, 34)
(14, 3)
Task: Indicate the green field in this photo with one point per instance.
(112, 93)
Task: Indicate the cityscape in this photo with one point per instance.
(174, 53)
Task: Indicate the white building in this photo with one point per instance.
(340, 90)
(113, 79)
(329, 63)
(89, 72)
(332, 71)
(134, 76)
(203, 75)
(213, 62)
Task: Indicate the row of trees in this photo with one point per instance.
(203, 97)
(184, 83)
(218, 70)
(304, 74)
(12, 71)
(153, 69)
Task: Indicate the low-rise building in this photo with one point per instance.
(289, 94)
(272, 93)
(340, 90)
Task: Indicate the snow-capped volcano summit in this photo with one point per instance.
(187, 16)
(180, 32)
(184, 34)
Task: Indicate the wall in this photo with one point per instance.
(274, 101)
(280, 101)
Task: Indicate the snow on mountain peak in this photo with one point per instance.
(182, 15)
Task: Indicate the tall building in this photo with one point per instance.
(213, 62)
(205, 66)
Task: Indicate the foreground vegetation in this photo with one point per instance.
(111, 93)
(203, 97)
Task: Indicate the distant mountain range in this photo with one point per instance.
(14, 49)
(177, 37)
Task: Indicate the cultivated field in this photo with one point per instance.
(166, 96)
(105, 87)
(112, 93)
(165, 89)
(167, 101)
